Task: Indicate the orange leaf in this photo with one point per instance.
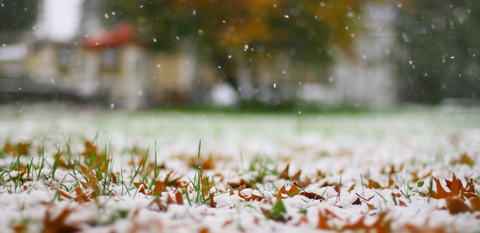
(380, 225)
(284, 174)
(456, 189)
(373, 184)
(212, 202)
(475, 203)
(401, 203)
(456, 206)
(441, 193)
(19, 228)
(179, 197)
(465, 159)
(415, 177)
(159, 187)
(292, 192)
(19, 149)
(92, 181)
(391, 183)
(323, 221)
(90, 149)
(359, 225)
(296, 176)
(63, 194)
(311, 195)
(58, 224)
(336, 188)
(351, 188)
(455, 185)
(81, 196)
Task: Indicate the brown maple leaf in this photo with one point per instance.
(323, 221)
(90, 149)
(81, 196)
(58, 224)
(456, 206)
(379, 226)
(373, 184)
(475, 203)
(92, 181)
(291, 192)
(18, 149)
(456, 189)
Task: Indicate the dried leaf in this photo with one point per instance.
(380, 225)
(456, 189)
(312, 195)
(296, 176)
(81, 196)
(18, 149)
(291, 192)
(323, 221)
(90, 149)
(242, 182)
(357, 202)
(391, 183)
(475, 203)
(373, 184)
(58, 224)
(351, 188)
(178, 198)
(391, 170)
(92, 181)
(456, 206)
(212, 201)
(284, 174)
(19, 228)
(465, 159)
(159, 187)
(416, 178)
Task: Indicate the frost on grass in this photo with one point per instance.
(84, 185)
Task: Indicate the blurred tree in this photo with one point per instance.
(16, 16)
(231, 32)
(440, 49)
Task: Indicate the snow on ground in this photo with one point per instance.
(84, 168)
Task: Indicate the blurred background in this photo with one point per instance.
(268, 54)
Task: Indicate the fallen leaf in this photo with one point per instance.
(58, 224)
(323, 221)
(351, 188)
(475, 203)
(373, 184)
(357, 202)
(284, 174)
(92, 181)
(380, 225)
(465, 159)
(291, 192)
(456, 206)
(18, 149)
(81, 196)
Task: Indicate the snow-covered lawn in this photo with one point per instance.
(71, 168)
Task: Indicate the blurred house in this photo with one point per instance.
(109, 64)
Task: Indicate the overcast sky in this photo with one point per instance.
(61, 18)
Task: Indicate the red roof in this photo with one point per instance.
(111, 38)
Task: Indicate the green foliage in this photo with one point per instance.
(440, 45)
(230, 32)
(17, 15)
(278, 212)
